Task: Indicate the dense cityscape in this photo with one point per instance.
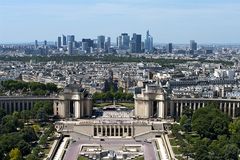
(133, 96)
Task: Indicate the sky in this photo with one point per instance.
(176, 21)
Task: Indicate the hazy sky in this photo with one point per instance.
(177, 21)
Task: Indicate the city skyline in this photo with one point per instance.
(206, 21)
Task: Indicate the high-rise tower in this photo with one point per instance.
(148, 43)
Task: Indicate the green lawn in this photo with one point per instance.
(139, 158)
(128, 105)
(179, 158)
(82, 158)
(101, 105)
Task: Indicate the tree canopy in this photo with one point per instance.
(32, 88)
(15, 154)
(213, 135)
(210, 122)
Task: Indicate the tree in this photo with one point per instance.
(15, 154)
(234, 127)
(118, 95)
(120, 89)
(201, 149)
(25, 115)
(210, 122)
(8, 141)
(36, 151)
(39, 92)
(41, 114)
(109, 95)
(36, 128)
(175, 129)
(32, 157)
(231, 152)
(51, 87)
(129, 96)
(10, 124)
(24, 147)
(216, 147)
(2, 114)
(235, 139)
(17, 115)
(28, 134)
(187, 150)
(43, 140)
(42, 110)
(188, 112)
(185, 123)
(37, 86)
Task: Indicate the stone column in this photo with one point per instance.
(110, 130)
(161, 109)
(81, 109)
(220, 106)
(119, 130)
(97, 130)
(171, 108)
(181, 109)
(106, 128)
(237, 109)
(199, 105)
(122, 130)
(10, 107)
(194, 106)
(177, 105)
(234, 108)
(77, 109)
(14, 107)
(102, 130)
(225, 107)
(132, 131)
(32, 104)
(114, 130)
(229, 109)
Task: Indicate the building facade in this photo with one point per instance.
(12, 104)
(73, 102)
(150, 103)
(153, 103)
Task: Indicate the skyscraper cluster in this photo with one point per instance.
(123, 41)
(87, 45)
(134, 44)
(125, 44)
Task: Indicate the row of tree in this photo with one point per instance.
(106, 58)
(34, 88)
(208, 134)
(110, 96)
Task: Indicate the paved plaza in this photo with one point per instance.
(109, 144)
